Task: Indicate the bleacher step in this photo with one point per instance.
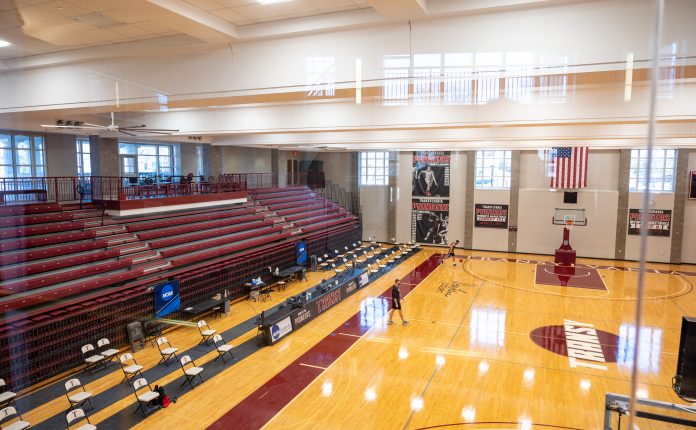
(145, 256)
(119, 239)
(154, 266)
(109, 230)
(131, 248)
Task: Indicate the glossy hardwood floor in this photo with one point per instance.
(480, 352)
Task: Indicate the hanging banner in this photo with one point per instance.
(659, 221)
(692, 186)
(429, 221)
(490, 216)
(431, 173)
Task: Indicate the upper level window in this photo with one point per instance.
(321, 76)
(395, 86)
(374, 168)
(155, 161)
(493, 169)
(84, 162)
(664, 163)
(22, 156)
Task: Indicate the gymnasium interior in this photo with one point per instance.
(348, 214)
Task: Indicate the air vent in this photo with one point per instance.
(97, 20)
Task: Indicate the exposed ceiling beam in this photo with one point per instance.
(197, 22)
(400, 10)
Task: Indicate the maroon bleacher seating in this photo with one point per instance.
(10, 232)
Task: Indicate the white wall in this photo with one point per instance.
(493, 239)
(689, 234)
(246, 160)
(374, 200)
(537, 234)
(61, 155)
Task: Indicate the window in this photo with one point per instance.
(22, 156)
(426, 79)
(457, 78)
(84, 162)
(321, 76)
(664, 162)
(152, 160)
(520, 81)
(199, 161)
(374, 168)
(488, 80)
(395, 85)
(493, 169)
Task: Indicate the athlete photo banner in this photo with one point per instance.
(429, 221)
(659, 221)
(490, 216)
(431, 174)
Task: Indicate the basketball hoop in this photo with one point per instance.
(569, 222)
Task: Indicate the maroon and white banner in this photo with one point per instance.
(490, 216)
(431, 173)
(659, 221)
(429, 221)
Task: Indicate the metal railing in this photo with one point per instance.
(114, 188)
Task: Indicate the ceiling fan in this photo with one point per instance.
(134, 130)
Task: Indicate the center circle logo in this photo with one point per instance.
(583, 340)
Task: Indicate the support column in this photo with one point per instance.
(622, 207)
(514, 204)
(216, 165)
(680, 196)
(104, 156)
(469, 200)
(391, 191)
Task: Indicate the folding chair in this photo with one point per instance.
(372, 270)
(130, 371)
(361, 259)
(7, 414)
(191, 372)
(6, 396)
(78, 415)
(206, 331)
(92, 359)
(166, 350)
(347, 264)
(106, 350)
(337, 270)
(383, 263)
(145, 396)
(223, 347)
(323, 264)
(76, 394)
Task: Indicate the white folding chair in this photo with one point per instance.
(166, 350)
(347, 264)
(191, 371)
(77, 394)
(9, 413)
(372, 270)
(145, 396)
(6, 396)
(222, 347)
(383, 263)
(131, 368)
(336, 269)
(106, 350)
(77, 415)
(363, 258)
(92, 359)
(206, 331)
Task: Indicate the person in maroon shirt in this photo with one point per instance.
(396, 303)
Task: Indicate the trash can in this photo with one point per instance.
(313, 262)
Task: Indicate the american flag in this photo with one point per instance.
(568, 167)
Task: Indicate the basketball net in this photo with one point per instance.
(569, 224)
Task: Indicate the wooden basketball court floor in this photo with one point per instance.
(491, 344)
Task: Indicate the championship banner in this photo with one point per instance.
(429, 221)
(490, 216)
(659, 221)
(431, 173)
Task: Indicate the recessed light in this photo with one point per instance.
(267, 2)
(4, 43)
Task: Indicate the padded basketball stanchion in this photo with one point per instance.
(565, 254)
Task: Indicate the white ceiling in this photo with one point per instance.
(39, 27)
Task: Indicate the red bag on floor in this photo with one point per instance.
(165, 401)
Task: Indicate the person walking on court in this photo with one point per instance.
(396, 302)
(450, 253)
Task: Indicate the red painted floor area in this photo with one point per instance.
(260, 406)
(569, 276)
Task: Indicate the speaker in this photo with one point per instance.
(685, 380)
(570, 197)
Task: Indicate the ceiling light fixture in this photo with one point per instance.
(267, 2)
(4, 43)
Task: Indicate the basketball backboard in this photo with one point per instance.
(561, 216)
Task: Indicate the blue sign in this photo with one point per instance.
(301, 248)
(167, 298)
